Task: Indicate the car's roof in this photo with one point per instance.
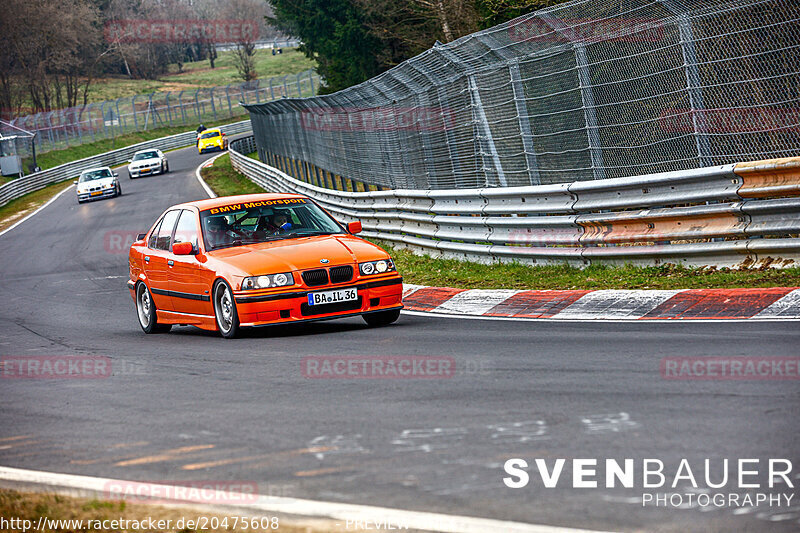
(210, 203)
(147, 150)
(211, 129)
(94, 168)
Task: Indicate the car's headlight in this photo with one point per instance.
(376, 267)
(272, 280)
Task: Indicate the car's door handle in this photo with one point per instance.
(170, 262)
(147, 259)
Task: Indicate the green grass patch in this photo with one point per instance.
(426, 270)
(199, 74)
(16, 209)
(224, 180)
(130, 517)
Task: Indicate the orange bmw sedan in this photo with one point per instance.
(255, 260)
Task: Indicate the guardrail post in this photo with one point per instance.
(479, 118)
(311, 81)
(694, 81)
(587, 94)
(285, 86)
(524, 123)
(133, 109)
(299, 91)
(213, 107)
(169, 109)
(180, 104)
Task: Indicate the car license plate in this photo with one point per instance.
(331, 297)
(145, 170)
(97, 193)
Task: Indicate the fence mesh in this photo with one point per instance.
(579, 91)
(111, 118)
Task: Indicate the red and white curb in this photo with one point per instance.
(683, 304)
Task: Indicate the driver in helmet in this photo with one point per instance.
(218, 231)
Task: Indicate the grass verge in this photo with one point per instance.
(224, 180)
(32, 506)
(16, 209)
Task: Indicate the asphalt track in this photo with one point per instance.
(190, 405)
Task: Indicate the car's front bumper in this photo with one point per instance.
(154, 169)
(287, 307)
(105, 193)
(210, 148)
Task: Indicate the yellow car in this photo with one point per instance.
(210, 140)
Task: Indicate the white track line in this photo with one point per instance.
(207, 163)
(23, 219)
(107, 488)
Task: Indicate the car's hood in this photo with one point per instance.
(102, 183)
(298, 254)
(146, 162)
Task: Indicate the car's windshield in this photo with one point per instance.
(91, 175)
(145, 155)
(265, 220)
(209, 135)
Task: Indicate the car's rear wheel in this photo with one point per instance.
(146, 311)
(225, 310)
(381, 318)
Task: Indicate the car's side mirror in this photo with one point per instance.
(354, 227)
(116, 174)
(141, 236)
(129, 160)
(75, 182)
(183, 248)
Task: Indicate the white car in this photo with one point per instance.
(147, 162)
(97, 183)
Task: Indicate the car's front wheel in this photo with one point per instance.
(146, 310)
(382, 318)
(119, 190)
(166, 167)
(225, 310)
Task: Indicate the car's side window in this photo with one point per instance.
(151, 243)
(163, 241)
(186, 230)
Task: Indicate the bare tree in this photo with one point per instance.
(245, 45)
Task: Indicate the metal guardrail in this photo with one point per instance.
(33, 182)
(744, 214)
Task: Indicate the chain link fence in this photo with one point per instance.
(580, 91)
(108, 119)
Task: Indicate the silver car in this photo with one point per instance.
(97, 183)
(147, 162)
